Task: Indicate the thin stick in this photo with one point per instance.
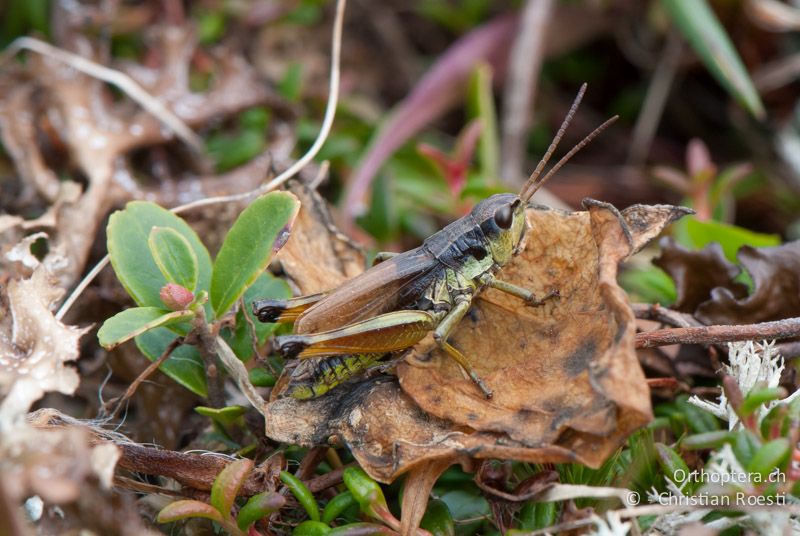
(780, 329)
(330, 111)
(533, 179)
(125, 83)
(151, 368)
(654, 311)
(85, 282)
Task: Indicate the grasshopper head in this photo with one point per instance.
(501, 218)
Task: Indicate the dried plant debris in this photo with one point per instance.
(314, 236)
(567, 383)
(706, 286)
(57, 122)
(34, 347)
(697, 273)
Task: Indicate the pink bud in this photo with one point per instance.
(176, 297)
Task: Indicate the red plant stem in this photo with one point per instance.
(779, 329)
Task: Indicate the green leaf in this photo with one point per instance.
(535, 516)
(240, 337)
(480, 104)
(128, 232)
(650, 284)
(337, 505)
(745, 445)
(230, 151)
(185, 365)
(770, 457)
(210, 27)
(261, 377)
(311, 528)
(227, 484)
(437, 519)
(131, 322)
(466, 505)
(362, 529)
(224, 416)
(707, 440)
(291, 85)
(258, 507)
(730, 237)
(179, 510)
(758, 397)
(698, 420)
(259, 231)
(671, 463)
(366, 491)
(702, 29)
(174, 256)
(302, 494)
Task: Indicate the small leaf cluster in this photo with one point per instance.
(762, 448)
(223, 498)
(167, 270)
(363, 494)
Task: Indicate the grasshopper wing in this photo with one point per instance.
(394, 283)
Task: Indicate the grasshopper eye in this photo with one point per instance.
(503, 217)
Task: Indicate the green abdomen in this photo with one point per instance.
(313, 378)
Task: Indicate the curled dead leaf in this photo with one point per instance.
(776, 288)
(568, 386)
(34, 347)
(314, 236)
(697, 273)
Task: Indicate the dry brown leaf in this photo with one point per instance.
(317, 257)
(568, 387)
(776, 292)
(34, 347)
(697, 273)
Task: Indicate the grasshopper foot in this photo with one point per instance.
(533, 301)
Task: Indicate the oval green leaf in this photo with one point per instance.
(438, 520)
(240, 338)
(259, 231)
(302, 494)
(174, 256)
(337, 505)
(707, 440)
(757, 398)
(366, 491)
(128, 232)
(770, 457)
(179, 510)
(311, 528)
(227, 484)
(259, 506)
(730, 237)
(225, 416)
(131, 322)
(185, 365)
(703, 31)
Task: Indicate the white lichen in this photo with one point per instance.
(610, 525)
(752, 365)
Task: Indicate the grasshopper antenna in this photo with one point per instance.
(533, 180)
(536, 180)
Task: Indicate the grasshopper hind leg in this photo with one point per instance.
(443, 331)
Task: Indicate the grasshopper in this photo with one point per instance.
(403, 297)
